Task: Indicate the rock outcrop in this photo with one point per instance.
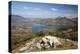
(46, 43)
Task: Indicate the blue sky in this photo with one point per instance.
(43, 10)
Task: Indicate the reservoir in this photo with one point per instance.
(38, 27)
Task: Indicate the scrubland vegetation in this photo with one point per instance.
(21, 33)
(19, 38)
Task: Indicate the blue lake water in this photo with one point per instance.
(38, 27)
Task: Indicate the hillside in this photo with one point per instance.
(31, 45)
(21, 30)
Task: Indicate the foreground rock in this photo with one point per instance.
(48, 43)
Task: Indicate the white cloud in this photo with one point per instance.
(32, 8)
(26, 7)
(53, 9)
(36, 9)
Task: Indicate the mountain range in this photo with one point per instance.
(15, 19)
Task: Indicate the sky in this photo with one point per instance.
(43, 10)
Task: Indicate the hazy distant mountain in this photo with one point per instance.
(16, 18)
(75, 20)
(20, 21)
(65, 21)
(58, 21)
